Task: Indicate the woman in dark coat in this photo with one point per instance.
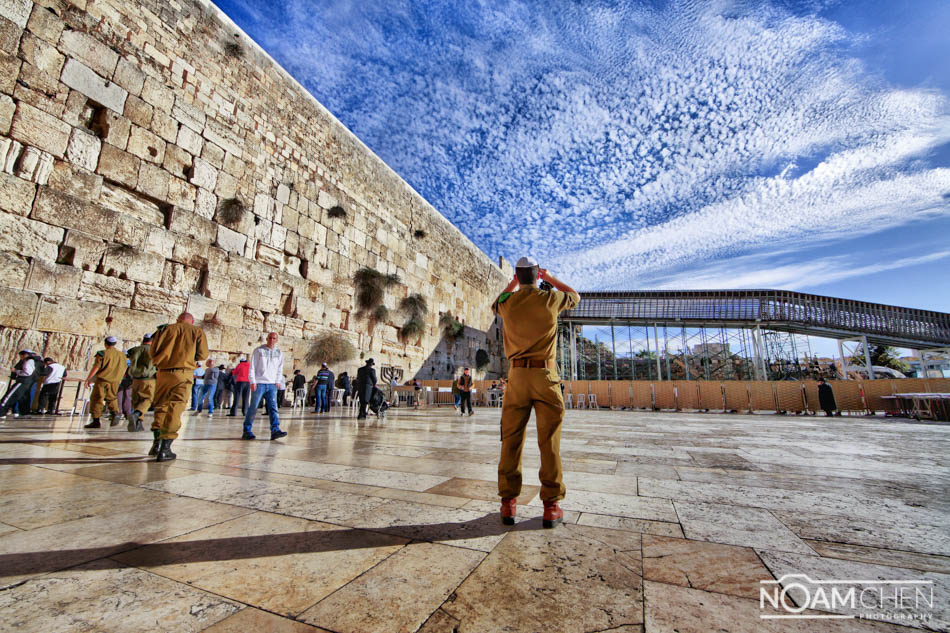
(826, 397)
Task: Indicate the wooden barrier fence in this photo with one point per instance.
(852, 396)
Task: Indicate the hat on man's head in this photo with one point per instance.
(47, 359)
(147, 337)
(527, 262)
(111, 340)
(324, 364)
(24, 351)
(371, 362)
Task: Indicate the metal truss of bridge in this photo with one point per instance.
(723, 334)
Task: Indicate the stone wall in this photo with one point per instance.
(153, 159)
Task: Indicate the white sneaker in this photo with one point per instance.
(209, 415)
(16, 415)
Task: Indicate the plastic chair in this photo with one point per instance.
(300, 400)
(581, 401)
(592, 401)
(569, 403)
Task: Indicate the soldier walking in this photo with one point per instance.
(142, 371)
(529, 326)
(176, 351)
(108, 368)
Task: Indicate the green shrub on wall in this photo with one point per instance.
(330, 348)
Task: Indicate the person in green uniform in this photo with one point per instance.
(176, 351)
(529, 326)
(108, 367)
(142, 372)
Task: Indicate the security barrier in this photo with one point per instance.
(851, 396)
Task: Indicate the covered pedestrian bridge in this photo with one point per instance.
(718, 332)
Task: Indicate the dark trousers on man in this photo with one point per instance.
(49, 395)
(18, 393)
(241, 390)
(466, 400)
(364, 403)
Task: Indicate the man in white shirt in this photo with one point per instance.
(265, 375)
(49, 394)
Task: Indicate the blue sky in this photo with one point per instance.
(636, 145)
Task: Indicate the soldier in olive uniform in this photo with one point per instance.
(142, 372)
(108, 368)
(176, 351)
(530, 332)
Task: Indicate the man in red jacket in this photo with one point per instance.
(241, 387)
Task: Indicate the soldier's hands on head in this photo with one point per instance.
(542, 272)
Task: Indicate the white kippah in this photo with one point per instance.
(111, 339)
(526, 262)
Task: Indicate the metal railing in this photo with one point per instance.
(779, 310)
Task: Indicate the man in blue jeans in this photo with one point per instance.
(266, 369)
(209, 386)
(324, 385)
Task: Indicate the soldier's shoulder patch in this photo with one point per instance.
(503, 297)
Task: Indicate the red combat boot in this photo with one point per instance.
(553, 514)
(509, 506)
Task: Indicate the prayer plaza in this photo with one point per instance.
(672, 523)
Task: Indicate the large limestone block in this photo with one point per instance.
(161, 241)
(180, 278)
(105, 289)
(99, 57)
(132, 325)
(218, 287)
(13, 270)
(231, 241)
(240, 340)
(193, 225)
(146, 145)
(134, 264)
(17, 11)
(83, 149)
(129, 76)
(29, 238)
(270, 256)
(16, 195)
(59, 314)
(204, 174)
(129, 204)
(60, 209)
(190, 252)
(223, 136)
(72, 350)
(81, 250)
(155, 299)
(83, 79)
(205, 203)
(75, 180)
(32, 126)
(230, 315)
(50, 278)
(201, 307)
(17, 307)
(118, 165)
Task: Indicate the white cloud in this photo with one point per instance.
(619, 143)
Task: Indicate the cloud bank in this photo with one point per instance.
(618, 142)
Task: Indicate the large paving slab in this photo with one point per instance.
(671, 522)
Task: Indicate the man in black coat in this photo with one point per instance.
(826, 397)
(365, 383)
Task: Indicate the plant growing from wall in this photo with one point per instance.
(330, 348)
(231, 212)
(233, 50)
(415, 308)
(336, 212)
(481, 360)
(419, 234)
(452, 329)
(371, 288)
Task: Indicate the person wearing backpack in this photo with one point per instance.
(142, 372)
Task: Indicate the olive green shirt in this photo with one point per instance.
(110, 364)
(140, 358)
(179, 346)
(529, 319)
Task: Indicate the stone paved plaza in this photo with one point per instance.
(671, 522)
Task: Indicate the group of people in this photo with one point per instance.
(162, 372)
(32, 372)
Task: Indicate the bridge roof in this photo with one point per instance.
(781, 310)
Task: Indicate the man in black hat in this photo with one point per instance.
(365, 383)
